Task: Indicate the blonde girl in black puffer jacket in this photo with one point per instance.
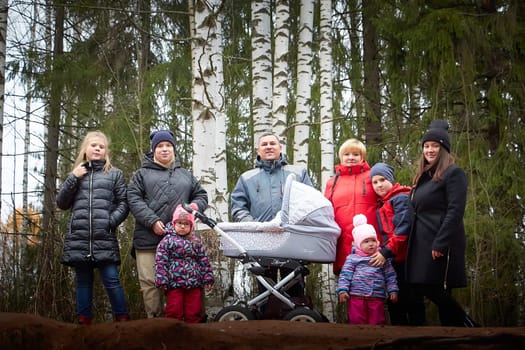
(95, 194)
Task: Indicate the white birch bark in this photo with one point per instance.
(281, 69)
(326, 103)
(209, 118)
(261, 68)
(304, 81)
(328, 283)
(209, 129)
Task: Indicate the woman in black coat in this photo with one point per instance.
(436, 247)
(96, 194)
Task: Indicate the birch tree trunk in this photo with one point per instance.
(203, 108)
(328, 283)
(209, 120)
(326, 102)
(261, 68)
(3, 31)
(281, 69)
(304, 79)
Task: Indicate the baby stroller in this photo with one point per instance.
(304, 231)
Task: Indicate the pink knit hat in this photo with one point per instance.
(362, 230)
(181, 214)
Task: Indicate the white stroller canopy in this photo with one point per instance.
(306, 210)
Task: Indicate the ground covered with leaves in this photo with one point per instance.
(23, 331)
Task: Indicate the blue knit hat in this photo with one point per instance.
(157, 137)
(384, 170)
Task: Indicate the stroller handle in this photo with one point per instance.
(203, 218)
(213, 224)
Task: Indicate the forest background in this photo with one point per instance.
(219, 73)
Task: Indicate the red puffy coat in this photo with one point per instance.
(351, 193)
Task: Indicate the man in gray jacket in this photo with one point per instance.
(258, 194)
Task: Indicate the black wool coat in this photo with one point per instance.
(437, 224)
(98, 205)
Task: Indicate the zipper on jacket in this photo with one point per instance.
(90, 206)
(446, 270)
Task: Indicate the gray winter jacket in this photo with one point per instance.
(98, 205)
(258, 194)
(153, 193)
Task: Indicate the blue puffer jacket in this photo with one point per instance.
(98, 205)
(258, 194)
(153, 194)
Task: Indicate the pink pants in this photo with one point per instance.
(184, 304)
(366, 310)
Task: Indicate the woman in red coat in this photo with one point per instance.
(351, 193)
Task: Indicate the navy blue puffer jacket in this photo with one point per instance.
(98, 205)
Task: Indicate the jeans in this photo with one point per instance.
(110, 278)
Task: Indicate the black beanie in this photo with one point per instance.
(438, 132)
(157, 137)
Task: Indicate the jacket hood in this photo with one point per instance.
(397, 189)
(148, 162)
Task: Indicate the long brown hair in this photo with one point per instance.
(443, 162)
(81, 157)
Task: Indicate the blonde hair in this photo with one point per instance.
(352, 145)
(81, 157)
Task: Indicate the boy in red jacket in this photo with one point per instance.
(394, 226)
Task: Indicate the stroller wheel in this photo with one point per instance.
(234, 313)
(303, 314)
